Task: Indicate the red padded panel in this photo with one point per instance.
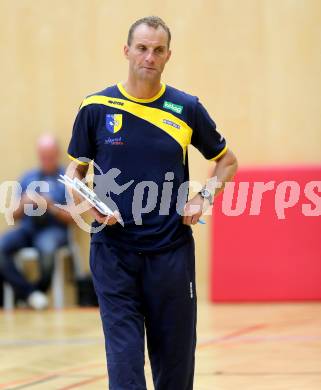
(264, 258)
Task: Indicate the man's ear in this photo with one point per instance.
(126, 49)
(169, 55)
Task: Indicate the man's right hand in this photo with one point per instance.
(26, 200)
(106, 220)
(80, 171)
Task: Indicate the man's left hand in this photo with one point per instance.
(194, 208)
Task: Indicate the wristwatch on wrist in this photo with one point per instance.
(206, 194)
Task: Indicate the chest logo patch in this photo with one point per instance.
(114, 122)
(173, 107)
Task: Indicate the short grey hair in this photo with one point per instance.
(151, 21)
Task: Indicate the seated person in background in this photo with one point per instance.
(46, 233)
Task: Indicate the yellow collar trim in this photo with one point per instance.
(134, 99)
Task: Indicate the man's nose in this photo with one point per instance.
(150, 57)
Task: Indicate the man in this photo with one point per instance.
(144, 272)
(46, 233)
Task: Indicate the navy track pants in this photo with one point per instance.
(156, 292)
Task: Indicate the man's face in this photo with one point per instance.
(148, 52)
(48, 158)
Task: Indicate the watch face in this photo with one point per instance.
(206, 193)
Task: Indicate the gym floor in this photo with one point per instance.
(240, 346)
